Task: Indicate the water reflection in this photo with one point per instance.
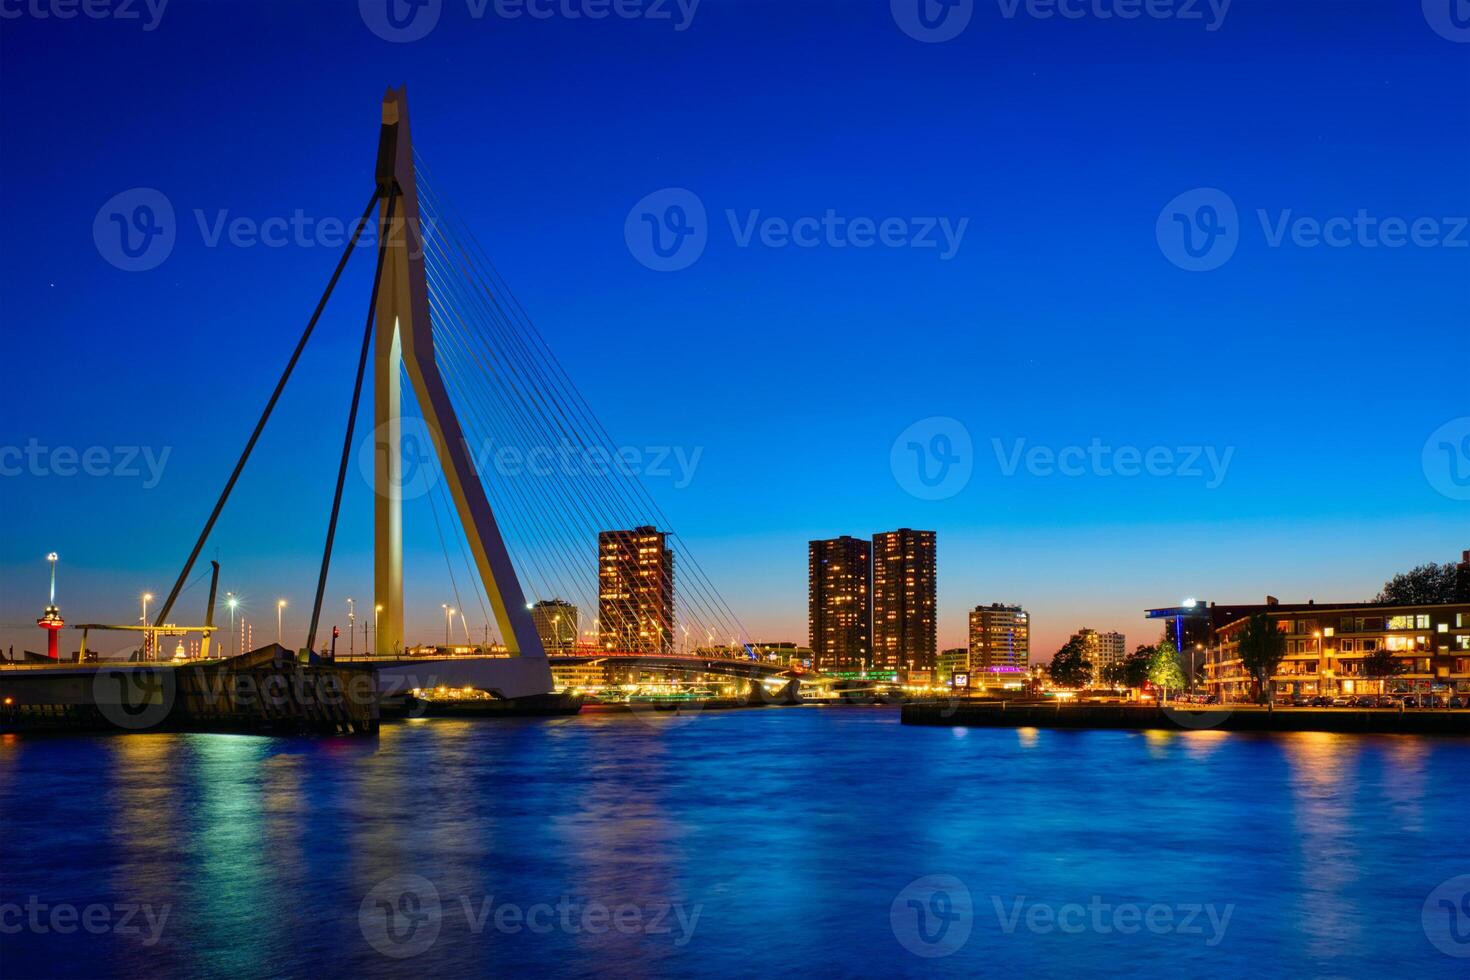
(790, 831)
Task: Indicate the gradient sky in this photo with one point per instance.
(1058, 321)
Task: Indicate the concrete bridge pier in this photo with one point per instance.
(789, 693)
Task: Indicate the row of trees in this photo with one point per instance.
(1158, 665)
(1426, 585)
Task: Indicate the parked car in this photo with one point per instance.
(1344, 701)
(1300, 701)
(1456, 702)
(1321, 701)
(1366, 701)
(1409, 701)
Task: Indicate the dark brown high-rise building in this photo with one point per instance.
(840, 603)
(635, 591)
(904, 633)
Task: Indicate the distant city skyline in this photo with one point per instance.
(788, 373)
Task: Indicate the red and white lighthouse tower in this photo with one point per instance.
(51, 620)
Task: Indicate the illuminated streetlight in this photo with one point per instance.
(376, 610)
(232, 602)
(147, 633)
(351, 628)
(280, 605)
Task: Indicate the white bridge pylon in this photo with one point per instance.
(405, 338)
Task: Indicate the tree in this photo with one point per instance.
(1164, 670)
(1426, 585)
(1262, 647)
(1132, 670)
(1070, 666)
(1380, 665)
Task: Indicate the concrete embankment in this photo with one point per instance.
(1188, 718)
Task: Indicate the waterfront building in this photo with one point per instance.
(1102, 649)
(1000, 639)
(840, 603)
(955, 660)
(904, 600)
(579, 676)
(1330, 650)
(556, 624)
(635, 599)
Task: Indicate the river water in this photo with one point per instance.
(771, 842)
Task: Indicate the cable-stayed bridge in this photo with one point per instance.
(454, 368)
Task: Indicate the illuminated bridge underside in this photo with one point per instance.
(752, 669)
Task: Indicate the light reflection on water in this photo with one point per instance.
(790, 831)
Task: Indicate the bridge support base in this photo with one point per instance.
(789, 693)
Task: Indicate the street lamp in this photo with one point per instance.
(147, 633)
(376, 610)
(351, 627)
(232, 602)
(280, 605)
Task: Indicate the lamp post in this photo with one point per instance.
(351, 630)
(280, 605)
(376, 610)
(232, 602)
(147, 633)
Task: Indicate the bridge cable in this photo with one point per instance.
(384, 230)
(699, 593)
(269, 407)
(579, 408)
(566, 422)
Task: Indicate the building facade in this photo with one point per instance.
(1101, 650)
(635, 591)
(1335, 650)
(840, 603)
(556, 624)
(955, 660)
(1000, 639)
(904, 606)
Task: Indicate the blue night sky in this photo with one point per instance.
(1059, 320)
